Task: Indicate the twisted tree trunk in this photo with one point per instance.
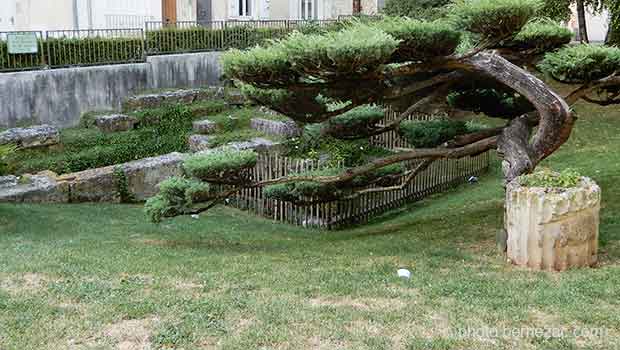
(521, 155)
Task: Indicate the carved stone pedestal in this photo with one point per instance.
(553, 229)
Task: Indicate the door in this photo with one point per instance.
(204, 11)
(169, 11)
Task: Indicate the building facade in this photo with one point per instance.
(45, 15)
(284, 9)
(597, 24)
(18, 15)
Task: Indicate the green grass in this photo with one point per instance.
(95, 276)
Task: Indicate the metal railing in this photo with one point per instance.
(71, 48)
(67, 48)
(22, 61)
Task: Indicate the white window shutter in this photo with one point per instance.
(233, 8)
(295, 9)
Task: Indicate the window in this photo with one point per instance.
(309, 9)
(244, 8)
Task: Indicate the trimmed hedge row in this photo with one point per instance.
(170, 40)
(75, 52)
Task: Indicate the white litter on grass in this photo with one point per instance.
(195, 216)
(404, 273)
(473, 180)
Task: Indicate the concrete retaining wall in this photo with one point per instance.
(59, 97)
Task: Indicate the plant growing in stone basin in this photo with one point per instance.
(548, 178)
(468, 63)
(552, 220)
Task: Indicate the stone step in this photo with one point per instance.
(115, 123)
(202, 143)
(183, 96)
(275, 127)
(199, 143)
(31, 137)
(205, 127)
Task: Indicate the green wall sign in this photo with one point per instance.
(20, 43)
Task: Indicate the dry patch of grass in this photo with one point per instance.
(25, 283)
(130, 334)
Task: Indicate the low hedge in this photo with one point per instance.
(75, 52)
(200, 38)
(91, 51)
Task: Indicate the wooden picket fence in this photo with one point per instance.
(442, 175)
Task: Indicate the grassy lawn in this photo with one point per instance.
(101, 276)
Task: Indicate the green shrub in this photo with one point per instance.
(356, 121)
(258, 65)
(421, 40)
(177, 196)
(5, 152)
(542, 35)
(224, 165)
(353, 50)
(581, 63)
(433, 133)
(493, 102)
(173, 39)
(494, 19)
(547, 178)
(419, 9)
(91, 51)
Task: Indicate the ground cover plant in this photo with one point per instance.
(101, 276)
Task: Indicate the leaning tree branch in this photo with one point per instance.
(409, 177)
(584, 90)
(422, 153)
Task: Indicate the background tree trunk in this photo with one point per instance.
(613, 35)
(581, 17)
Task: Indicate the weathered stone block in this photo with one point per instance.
(274, 127)
(31, 137)
(33, 189)
(94, 185)
(257, 144)
(199, 143)
(205, 127)
(115, 122)
(553, 229)
(173, 97)
(236, 98)
(143, 175)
